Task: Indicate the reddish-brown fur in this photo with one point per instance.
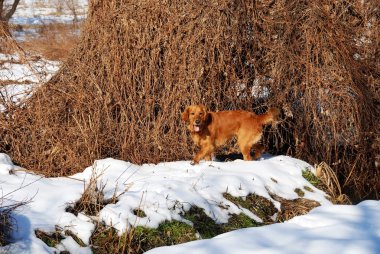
(210, 130)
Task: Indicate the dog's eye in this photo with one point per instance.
(192, 113)
(201, 114)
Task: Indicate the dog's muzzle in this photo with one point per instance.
(197, 125)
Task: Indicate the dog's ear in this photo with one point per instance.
(185, 115)
(208, 118)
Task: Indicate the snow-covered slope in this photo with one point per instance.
(327, 229)
(163, 191)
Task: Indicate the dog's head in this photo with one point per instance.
(197, 116)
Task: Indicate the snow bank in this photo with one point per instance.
(166, 190)
(163, 191)
(326, 229)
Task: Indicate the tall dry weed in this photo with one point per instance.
(6, 42)
(138, 64)
(53, 41)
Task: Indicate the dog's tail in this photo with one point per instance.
(269, 117)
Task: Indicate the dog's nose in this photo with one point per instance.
(197, 121)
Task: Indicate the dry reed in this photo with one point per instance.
(53, 41)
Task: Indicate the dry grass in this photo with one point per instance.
(54, 41)
(331, 184)
(50, 239)
(296, 207)
(5, 226)
(7, 43)
(137, 65)
(7, 223)
(92, 199)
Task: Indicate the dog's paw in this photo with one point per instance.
(193, 163)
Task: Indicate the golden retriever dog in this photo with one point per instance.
(210, 130)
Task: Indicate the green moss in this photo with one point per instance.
(106, 240)
(50, 239)
(299, 192)
(139, 213)
(203, 224)
(168, 233)
(142, 239)
(208, 228)
(175, 232)
(307, 188)
(310, 177)
(237, 221)
(258, 205)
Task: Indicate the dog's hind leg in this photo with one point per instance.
(246, 151)
(258, 149)
(245, 143)
(245, 148)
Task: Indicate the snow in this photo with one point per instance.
(326, 229)
(165, 190)
(22, 78)
(39, 70)
(32, 14)
(70, 245)
(48, 11)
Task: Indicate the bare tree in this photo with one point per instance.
(72, 6)
(7, 9)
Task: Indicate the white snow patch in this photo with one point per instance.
(163, 191)
(344, 229)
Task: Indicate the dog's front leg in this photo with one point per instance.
(205, 152)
